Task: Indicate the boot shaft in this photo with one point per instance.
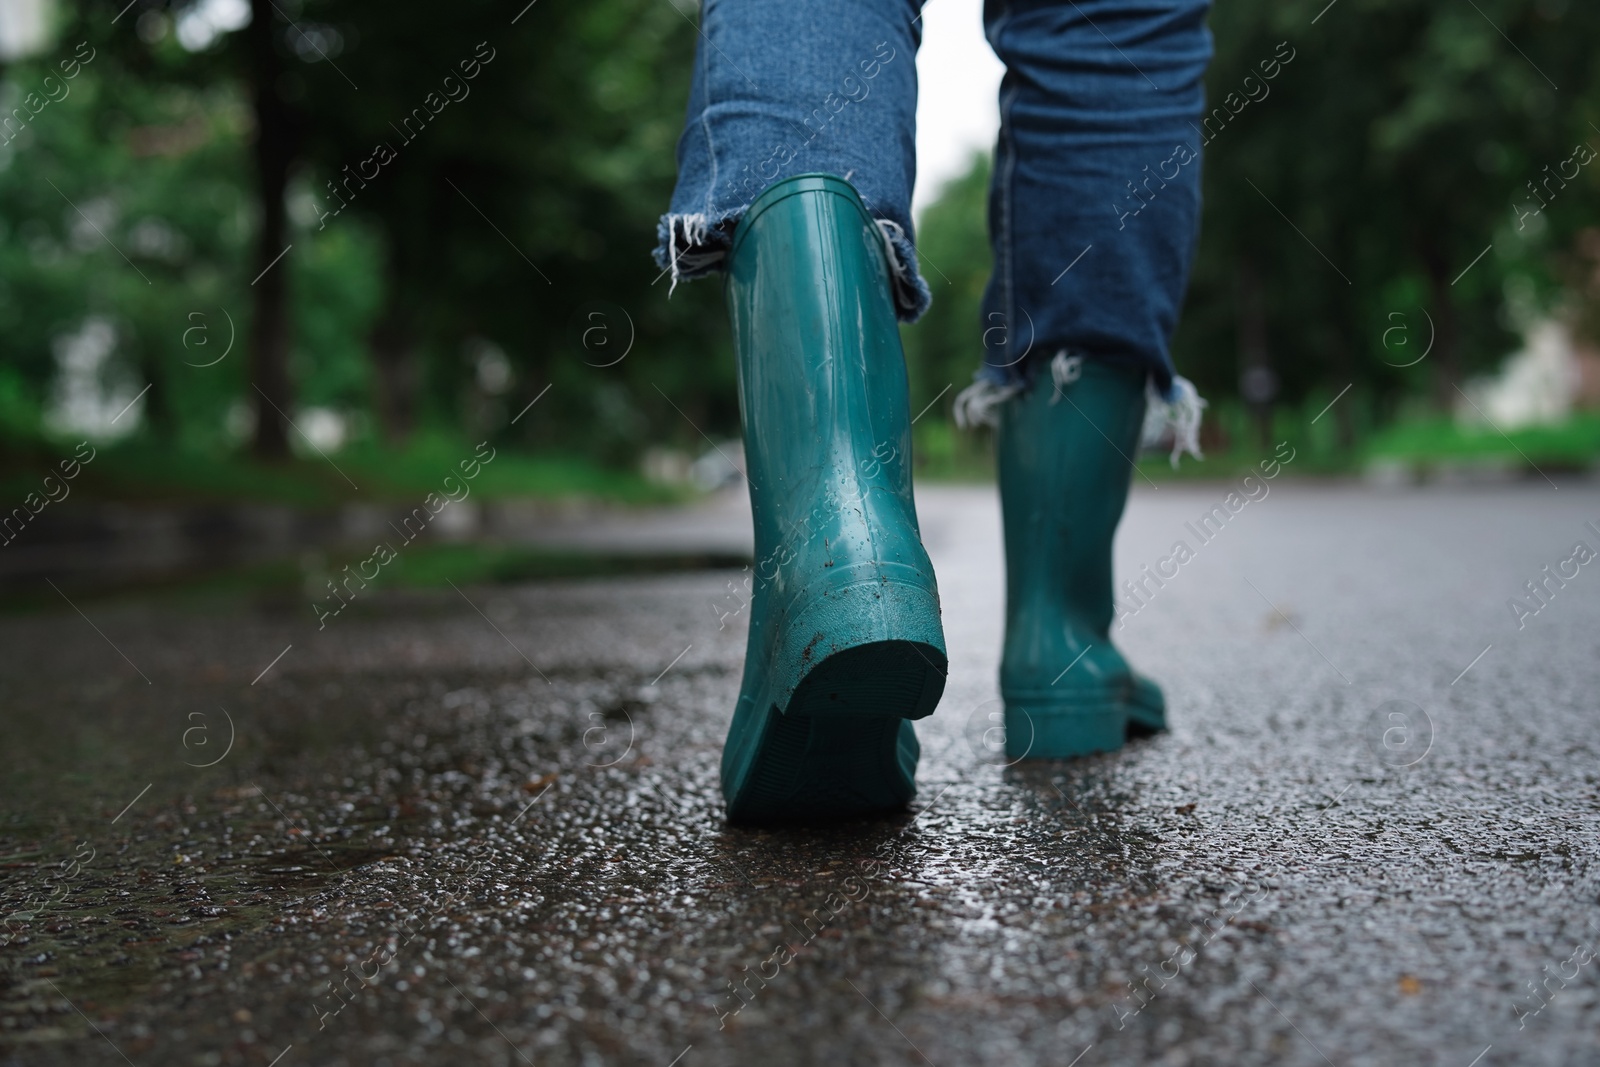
(823, 393)
(1065, 462)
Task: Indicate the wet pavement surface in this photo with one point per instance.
(483, 827)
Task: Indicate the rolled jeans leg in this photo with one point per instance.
(1095, 202)
(788, 87)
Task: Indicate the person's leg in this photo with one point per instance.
(795, 180)
(1093, 215)
(1095, 202)
(789, 87)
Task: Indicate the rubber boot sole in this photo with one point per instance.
(845, 745)
(1050, 729)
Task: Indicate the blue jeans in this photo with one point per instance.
(1095, 200)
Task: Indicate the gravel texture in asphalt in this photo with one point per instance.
(482, 826)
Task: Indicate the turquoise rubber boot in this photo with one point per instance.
(845, 643)
(1065, 455)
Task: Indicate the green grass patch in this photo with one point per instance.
(144, 473)
(1574, 443)
(431, 566)
(420, 566)
(945, 454)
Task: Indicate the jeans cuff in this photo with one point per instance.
(693, 246)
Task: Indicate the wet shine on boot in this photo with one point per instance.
(1065, 457)
(845, 644)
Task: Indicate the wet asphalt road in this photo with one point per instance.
(483, 827)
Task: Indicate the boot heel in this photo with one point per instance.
(879, 629)
(839, 741)
(845, 745)
(842, 743)
(893, 679)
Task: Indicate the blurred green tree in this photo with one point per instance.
(458, 244)
(944, 347)
(1384, 159)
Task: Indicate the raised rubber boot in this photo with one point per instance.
(1065, 457)
(845, 642)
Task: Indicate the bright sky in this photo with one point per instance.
(957, 106)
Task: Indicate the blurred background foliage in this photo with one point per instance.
(441, 276)
(1344, 201)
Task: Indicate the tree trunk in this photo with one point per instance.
(159, 417)
(274, 153)
(394, 361)
(1257, 379)
(1346, 318)
(1446, 353)
(1344, 415)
